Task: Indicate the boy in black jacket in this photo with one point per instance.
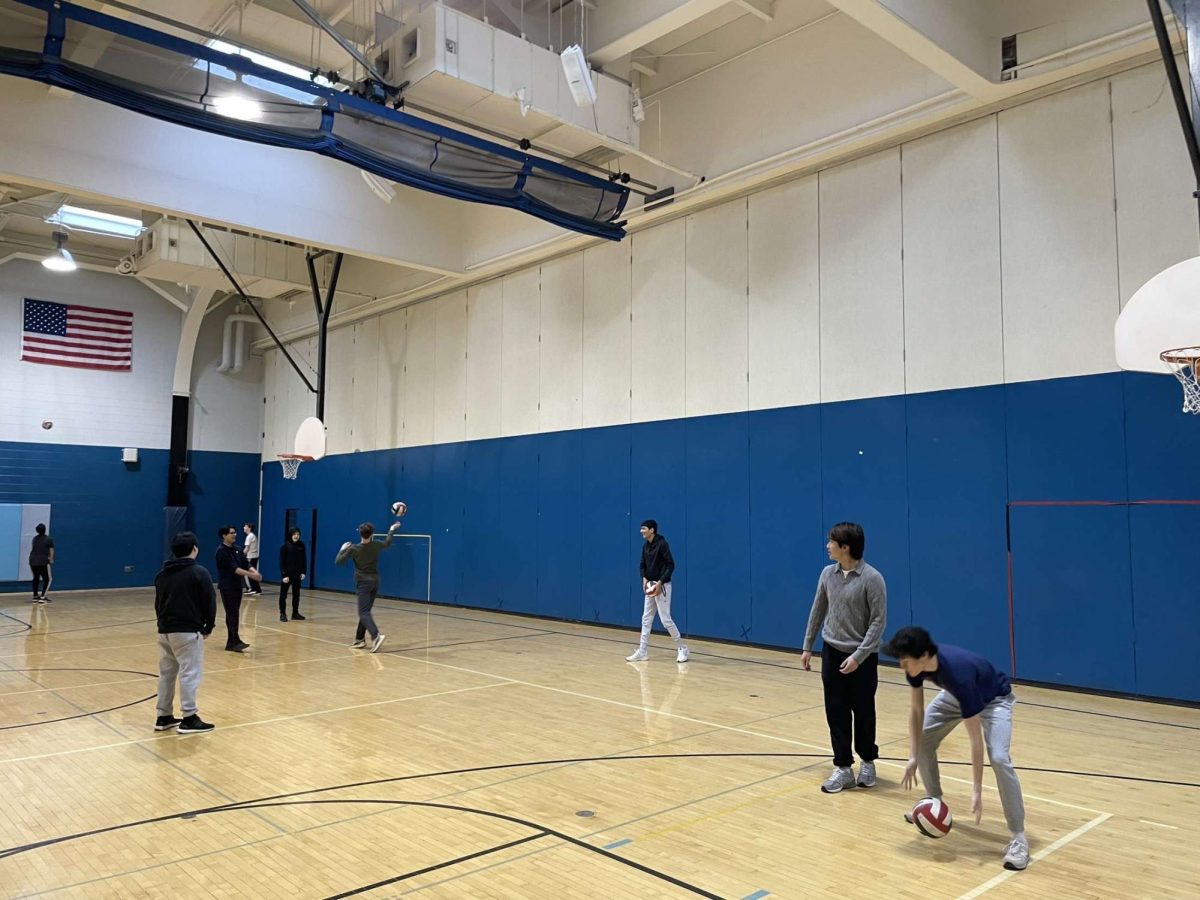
(657, 567)
(186, 607)
(293, 564)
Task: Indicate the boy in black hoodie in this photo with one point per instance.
(186, 606)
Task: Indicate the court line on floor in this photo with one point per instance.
(273, 721)
(1037, 857)
(694, 721)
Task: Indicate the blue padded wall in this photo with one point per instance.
(787, 525)
(108, 514)
(607, 532)
(718, 526)
(547, 524)
(956, 497)
(864, 479)
(1072, 595)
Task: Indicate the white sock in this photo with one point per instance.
(1020, 836)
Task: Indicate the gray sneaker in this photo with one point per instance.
(1016, 856)
(866, 775)
(840, 780)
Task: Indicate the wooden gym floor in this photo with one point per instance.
(485, 755)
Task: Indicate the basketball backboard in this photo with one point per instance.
(1164, 314)
(310, 438)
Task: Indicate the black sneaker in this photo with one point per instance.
(194, 725)
(296, 617)
(242, 645)
(164, 723)
(282, 617)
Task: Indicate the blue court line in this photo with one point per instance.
(620, 843)
(756, 895)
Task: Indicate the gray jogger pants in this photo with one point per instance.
(941, 716)
(367, 588)
(180, 654)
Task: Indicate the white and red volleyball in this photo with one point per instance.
(932, 817)
(399, 508)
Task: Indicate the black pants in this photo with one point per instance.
(232, 601)
(293, 582)
(41, 574)
(850, 705)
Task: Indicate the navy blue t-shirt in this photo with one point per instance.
(229, 560)
(971, 680)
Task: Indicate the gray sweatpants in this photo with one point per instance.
(662, 605)
(941, 716)
(181, 655)
(367, 588)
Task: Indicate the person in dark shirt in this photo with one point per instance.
(293, 565)
(186, 609)
(366, 580)
(657, 567)
(232, 567)
(41, 558)
(972, 691)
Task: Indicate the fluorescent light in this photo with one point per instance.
(60, 260)
(233, 106)
(79, 219)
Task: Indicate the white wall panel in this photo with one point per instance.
(1058, 234)
(420, 374)
(364, 425)
(953, 319)
(658, 322)
(1156, 215)
(339, 390)
(561, 347)
(862, 315)
(715, 349)
(226, 408)
(485, 313)
(785, 301)
(607, 334)
(389, 401)
(450, 389)
(519, 365)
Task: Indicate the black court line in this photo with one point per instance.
(82, 715)
(397, 779)
(73, 630)
(443, 865)
(25, 626)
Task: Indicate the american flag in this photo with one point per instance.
(82, 337)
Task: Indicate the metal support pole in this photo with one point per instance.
(1181, 103)
(254, 309)
(324, 310)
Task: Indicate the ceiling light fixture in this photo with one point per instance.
(60, 260)
(93, 221)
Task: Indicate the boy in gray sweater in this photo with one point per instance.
(849, 611)
(366, 580)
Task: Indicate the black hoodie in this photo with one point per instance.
(293, 559)
(184, 600)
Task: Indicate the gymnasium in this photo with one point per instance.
(508, 280)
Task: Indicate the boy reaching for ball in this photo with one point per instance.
(972, 691)
(366, 580)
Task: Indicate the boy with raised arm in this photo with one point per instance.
(366, 580)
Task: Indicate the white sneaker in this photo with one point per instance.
(866, 775)
(840, 780)
(377, 643)
(637, 655)
(1016, 855)
(682, 655)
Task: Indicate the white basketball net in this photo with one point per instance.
(1183, 363)
(291, 466)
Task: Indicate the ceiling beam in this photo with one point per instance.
(619, 27)
(763, 9)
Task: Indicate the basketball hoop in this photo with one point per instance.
(291, 464)
(1183, 363)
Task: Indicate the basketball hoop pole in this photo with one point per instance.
(1181, 103)
(323, 311)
